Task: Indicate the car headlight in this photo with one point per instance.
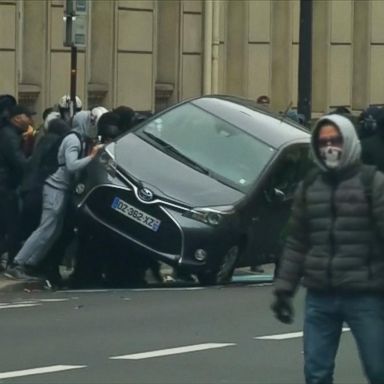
(107, 158)
(210, 216)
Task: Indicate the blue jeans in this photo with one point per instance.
(324, 317)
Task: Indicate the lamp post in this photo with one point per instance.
(305, 59)
(75, 17)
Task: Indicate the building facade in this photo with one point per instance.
(150, 54)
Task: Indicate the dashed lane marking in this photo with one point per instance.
(173, 351)
(285, 336)
(39, 371)
(52, 300)
(9, 306)
(28, 303)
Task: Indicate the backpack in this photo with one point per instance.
(366, 176)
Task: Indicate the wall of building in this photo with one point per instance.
(150, 54)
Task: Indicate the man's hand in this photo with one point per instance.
(282, 308)
(95, 150)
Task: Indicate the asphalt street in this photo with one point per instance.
(156, 335)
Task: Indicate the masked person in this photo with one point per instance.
(334, 244)
(56, 190)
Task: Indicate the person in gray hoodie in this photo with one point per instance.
(335, 247)
(56, 190)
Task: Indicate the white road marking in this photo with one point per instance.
(173, 351)
(25, 302)
(19, 306)
(89, 290)
(38, 371)
(285, 336)
(168, 289)
(52, 300)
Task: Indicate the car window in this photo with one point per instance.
(290, 169)
(233, 156)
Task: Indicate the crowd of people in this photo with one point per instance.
(38, 167)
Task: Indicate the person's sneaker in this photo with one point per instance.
(18, 272)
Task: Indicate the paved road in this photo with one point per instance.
(175, 335)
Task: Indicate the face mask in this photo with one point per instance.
(330, 155)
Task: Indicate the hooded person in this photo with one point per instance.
(334, 247)
(43, 163)
(7, 102)
(71, 160)
(373, 145)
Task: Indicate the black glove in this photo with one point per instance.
(282, 307)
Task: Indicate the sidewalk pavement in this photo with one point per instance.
(9, 285)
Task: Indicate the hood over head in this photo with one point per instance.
(351, 148)
(81, 123)
(51, 116)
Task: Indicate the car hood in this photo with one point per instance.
(170, 178)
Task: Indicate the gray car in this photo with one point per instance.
(205, 186)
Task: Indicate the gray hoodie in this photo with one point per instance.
(334, 237)
(69, 152)
(351, 144)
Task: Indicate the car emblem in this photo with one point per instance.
(145, 194)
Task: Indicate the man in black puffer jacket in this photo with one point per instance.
(335, 245)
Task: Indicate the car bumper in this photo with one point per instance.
(177, 241)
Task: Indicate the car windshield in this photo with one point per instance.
(209, 144)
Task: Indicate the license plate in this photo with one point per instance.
(135, 214)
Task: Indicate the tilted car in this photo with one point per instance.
(205, 186)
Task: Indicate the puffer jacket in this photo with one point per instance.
(12, 159)
(336, 235)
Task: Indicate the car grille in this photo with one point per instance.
(166, 239)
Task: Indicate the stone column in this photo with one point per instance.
(101, 53)
(237, 39)
(32, 83)
(168, 53)
(281, 40)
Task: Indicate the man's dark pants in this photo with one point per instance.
(9, 221)
(325, 314)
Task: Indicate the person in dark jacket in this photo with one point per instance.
(334, 246)
(7, 102)
(42, 164)
(27, 263)
(12, 166)
(373, 145)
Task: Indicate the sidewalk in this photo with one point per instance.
(8, 285)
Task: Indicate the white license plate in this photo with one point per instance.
(136, 214)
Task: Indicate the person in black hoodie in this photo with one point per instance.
(372, 147)
(12, 167)
(42, 164)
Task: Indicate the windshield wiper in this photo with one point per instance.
(171, 149)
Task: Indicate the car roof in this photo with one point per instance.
(257, 121)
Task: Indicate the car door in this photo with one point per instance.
(272, 204)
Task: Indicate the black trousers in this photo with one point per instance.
(9, 222)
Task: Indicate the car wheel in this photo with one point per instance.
(223, 272)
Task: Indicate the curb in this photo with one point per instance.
(7, 285)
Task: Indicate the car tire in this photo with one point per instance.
(223, 272)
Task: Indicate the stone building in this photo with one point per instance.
(149, 54)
